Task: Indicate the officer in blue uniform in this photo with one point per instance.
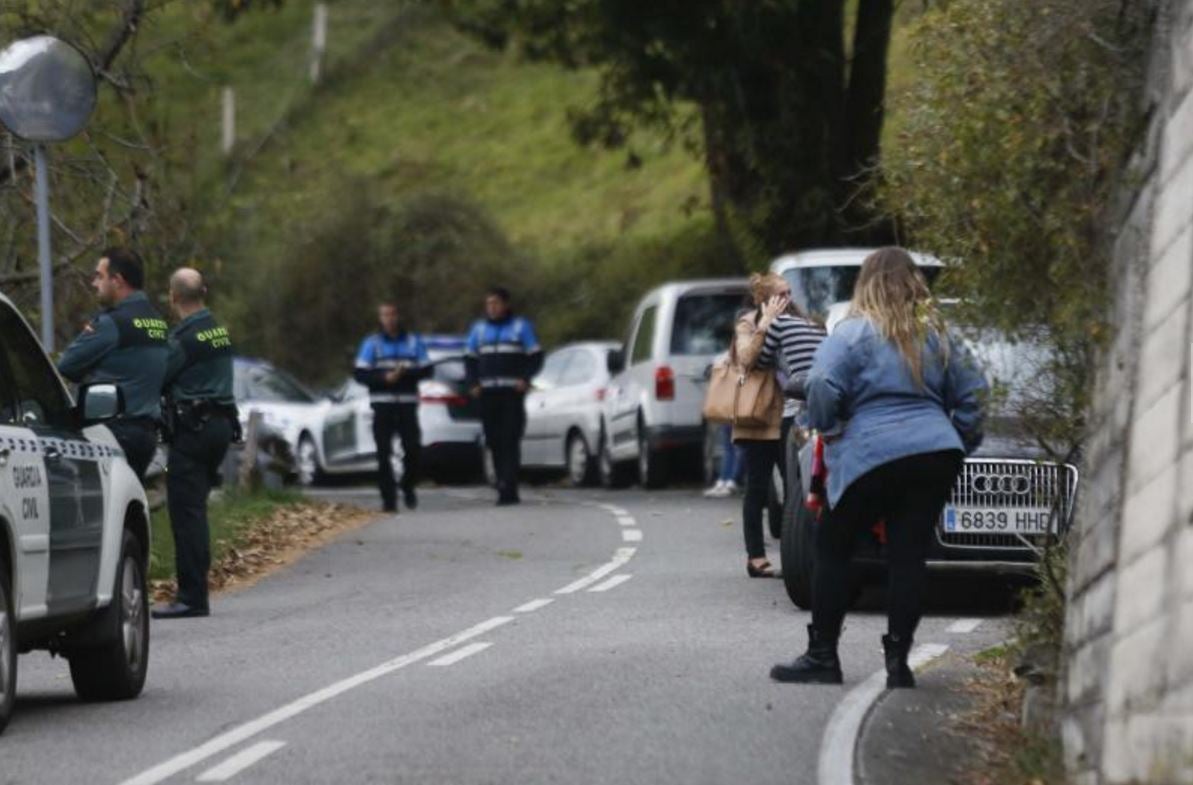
(503, 355)
(202, 422)
(125, 345)
(391, 363)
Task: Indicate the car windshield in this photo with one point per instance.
(704, 323)
(816, 289)
(261, 383)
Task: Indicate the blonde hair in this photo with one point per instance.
(763, 286)
(892, 293)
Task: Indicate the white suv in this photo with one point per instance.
(74, 528)
(653, 409)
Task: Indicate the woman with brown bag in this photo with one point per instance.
(759, 442)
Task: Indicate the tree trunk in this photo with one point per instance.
(717, 160)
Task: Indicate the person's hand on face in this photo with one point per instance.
(774, 306)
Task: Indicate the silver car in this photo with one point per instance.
(563, 411)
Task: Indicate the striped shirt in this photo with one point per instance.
(790, 344)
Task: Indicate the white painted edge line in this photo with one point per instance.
(624, 520)
(612, 583)
(963, 626)
(631, 535)
(534, 605)
(620, 558)
(459, 654)
(839, 744)
(251, 728)
(241, 761)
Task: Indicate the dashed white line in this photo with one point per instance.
(612, 583)
(241, 761)
(963, 626)
(534, 605)
(626, 520)
(631, 535)
(249, 729)
(839, 744)
(622, 556)
(459, 654)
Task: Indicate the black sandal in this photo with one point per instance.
(766, 570)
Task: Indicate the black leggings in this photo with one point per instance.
(761, 458)
(909, 494)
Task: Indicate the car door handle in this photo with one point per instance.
(53, 454)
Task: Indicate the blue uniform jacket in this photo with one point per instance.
(381, 353)
(861, 391)
(502, 353)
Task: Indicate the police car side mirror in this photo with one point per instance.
(100, 402)
(615, 361)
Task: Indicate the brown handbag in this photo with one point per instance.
(740, 397)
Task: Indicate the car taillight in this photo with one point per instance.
(664, 383)
(438, 392)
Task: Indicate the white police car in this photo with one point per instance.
(74, 528)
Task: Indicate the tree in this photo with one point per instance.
(786, 119)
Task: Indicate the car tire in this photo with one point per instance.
(652, 468)
(613, 475)
(797, 551)
(581, 465)
(306, 462)
(115, 669)
(8, 649)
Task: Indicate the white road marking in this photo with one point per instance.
(251, 728)
(612, 583)
(839, 743)
(626, 520)
(613, 508)
(241, 761)
(631, 535)
(459, 654)
(963, 626)
(622, 556)
(533, 605)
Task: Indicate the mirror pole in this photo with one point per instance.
(42, 197)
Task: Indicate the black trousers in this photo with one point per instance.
(192, 471)
(503, 414)
(909, 494)
(761, 458)
(400, 419)
(137, 436)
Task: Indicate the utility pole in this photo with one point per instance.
(318, 41)
(228, 138)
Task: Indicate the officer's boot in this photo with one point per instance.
(898, 672)
(819, 665)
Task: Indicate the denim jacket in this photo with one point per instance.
(861, 392)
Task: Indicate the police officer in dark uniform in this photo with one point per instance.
(503, 355)
(125, 345)
(391, 363)
(202, 422)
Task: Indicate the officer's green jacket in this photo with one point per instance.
(126, 346)
(200, 361)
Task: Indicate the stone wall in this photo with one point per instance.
(1128, 688)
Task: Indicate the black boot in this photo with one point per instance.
(898, 672)
(819, 665)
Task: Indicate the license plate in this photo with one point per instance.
(997, 520)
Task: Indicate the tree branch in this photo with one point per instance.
(130, 20)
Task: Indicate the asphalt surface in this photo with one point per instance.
(413, 651)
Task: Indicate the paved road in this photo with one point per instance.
(579, 638)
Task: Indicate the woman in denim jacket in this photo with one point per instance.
(898, 401)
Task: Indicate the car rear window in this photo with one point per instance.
(704, 323)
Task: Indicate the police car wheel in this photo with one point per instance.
(8, 651)
(795, 551)
(116, 669)
(580, 463)
(307, 462)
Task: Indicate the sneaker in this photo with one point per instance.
(731, 488)
(716, 490)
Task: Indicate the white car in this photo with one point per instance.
(287, 409)
(653, 411)
(821, 279)
(447, 416)
(563, 411)
(74, 528)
